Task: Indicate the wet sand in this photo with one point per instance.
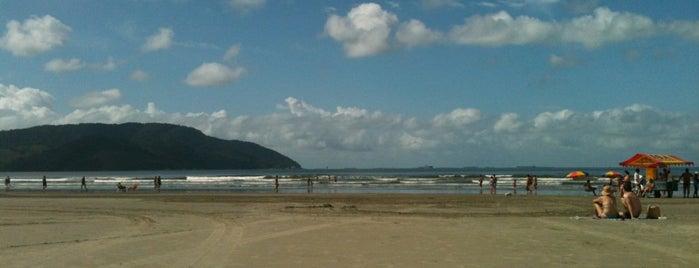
(335, 230)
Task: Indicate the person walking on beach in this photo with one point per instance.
(155, 184)
(493, 184)
(159, 181)
(43, 184)
(588, 187)
(535, 183)
(530, 184)
(276, 183)
(7, 183)
(480, 183)
(83, 184)
(637, 178)
(686, 179)
(696, 184)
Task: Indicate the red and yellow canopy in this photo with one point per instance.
(655, 161)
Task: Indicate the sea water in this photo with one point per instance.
(551, 181)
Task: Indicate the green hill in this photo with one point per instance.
(130, 146)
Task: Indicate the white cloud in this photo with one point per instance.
(160, 40)
(606, 26)
(415, 33)
(60, 66)
(501, 29)
(431, 4)
(364, 31)
(367, 29)
(109, 65)
(458, 118)
(139, 75)
(213, 75)
(24, 107)
(246, 5)
(508, 122)
(561, 62)
(232, 52)
(94, 99)
(34, 36)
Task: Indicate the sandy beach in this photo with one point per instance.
(335, 230)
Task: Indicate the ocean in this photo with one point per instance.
(551, 180)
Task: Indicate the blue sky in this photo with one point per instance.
(338, 84)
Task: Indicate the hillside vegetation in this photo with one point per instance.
(129, 146)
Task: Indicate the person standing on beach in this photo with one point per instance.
(7, 183)
(43, 184)
(686, 179)
(155, 184)
(159, 181)
(530, 184)
(276, 183)
(83, 184)
(637, 177)
(493, 184)
(696, 184)
(480, 183)
(535, 183)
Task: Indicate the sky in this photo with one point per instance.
(352, 84)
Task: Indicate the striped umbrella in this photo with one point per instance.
(577, 174)
(612, 174)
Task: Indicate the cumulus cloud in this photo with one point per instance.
(415, 33)
(34, 36)
(364, 31)
(139, 75)
(109, 65)
(94, 99)
(508, 122)
(561, 61)
(356, 137)
(160, 40)
(501, 29)
(24, 107)
(213, 74)
(60, 66)
(368, 29)
(232, 52)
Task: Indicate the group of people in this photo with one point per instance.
(44, 184)
(531, 184)
(606, 204)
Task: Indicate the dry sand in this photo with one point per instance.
(345, 230)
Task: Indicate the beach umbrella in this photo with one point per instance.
(612, 174)
(577, 174)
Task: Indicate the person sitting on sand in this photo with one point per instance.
(632, 205)
(121, 188)
(650, 186)
(605, 205)
(589, 188)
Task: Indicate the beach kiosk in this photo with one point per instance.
(651, 162)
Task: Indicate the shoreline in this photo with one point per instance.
(345, 230)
